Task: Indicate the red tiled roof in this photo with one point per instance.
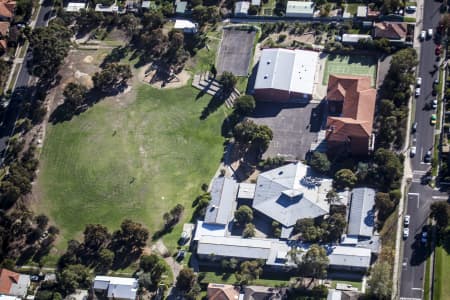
(7, 279)
(390, 30)
(358, 107)
(4, 29)
(3, 44)
(7, 8)
(222, 292)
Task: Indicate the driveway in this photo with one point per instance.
(294, 126)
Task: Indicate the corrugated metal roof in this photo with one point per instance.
(354, 38)
(234, 247)
(274, 187)
(241, 7)
(299, 7)
(203, 229)
(287, 70)
(362, 213)
(118, 287)
(350, 257)
(223, 201)
(246, 190)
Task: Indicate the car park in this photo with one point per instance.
(405, 233)
(419, 81)
(412, 152)
(433, 119)
(417, 92)
(406, 220)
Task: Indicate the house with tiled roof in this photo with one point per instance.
(13, 284)
(7, 8)
(222, 292)
(352, 104)
(393, 31)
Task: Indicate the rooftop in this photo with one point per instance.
(362, 213)
(209, 229)
(291, 192)
(223, 201)
(246, 190)
(241, 7)
(299, 7)
(354, 38)
(118, 287)
(288, 70)
(14, 284)
(350, 256)
(390, 30)
(222, 292)
(184, 24)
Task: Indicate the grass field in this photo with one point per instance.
(441, 282)
(134, 160)
(350, 65)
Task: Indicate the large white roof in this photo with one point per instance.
(350, 256)
(118, 287)
(288, 70)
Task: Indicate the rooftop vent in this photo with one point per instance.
(268, 62)
(266, 76)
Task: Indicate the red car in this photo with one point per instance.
(438, 50)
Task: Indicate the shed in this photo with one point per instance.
(361, 12)
(75, 6)
(300, 9)
(241, 8)
(256, 2)
(181, 7)
(186, 26)
(354, 38)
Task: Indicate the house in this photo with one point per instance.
(7, 9)
(222, 292)
(393, 31)
(14, 284)
(349, 258)
(75, 6)
(180, 8)
(300, 9)
(117, 288)
(107, 9)
(223, 201)
(4, 29)
(289, 193)
(241, 8)
(353, 100)
(285, 75)
(362, 213)
(253, 292)
(186, 26)
(335, 294)
(352, 39)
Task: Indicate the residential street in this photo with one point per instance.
(21, 88)
(421, 196)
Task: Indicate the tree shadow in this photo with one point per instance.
(216, 101)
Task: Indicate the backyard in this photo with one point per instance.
(129, 160)
(356, 65)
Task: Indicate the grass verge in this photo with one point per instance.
(426, 288)
(230, 278)
(442, 266)
(135, 160)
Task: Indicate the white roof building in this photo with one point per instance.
(241, 8)
(350, 257)
(287, 71)
(354, 38)
(256, 2)
(300, 9)
(75, 6)
(117, 287)
(362, 213)
(291, 192)
(246, 190)
(186, 26)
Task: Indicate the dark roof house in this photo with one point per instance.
(7, 9)
(393, 31)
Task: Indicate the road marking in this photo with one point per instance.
(419, 172)
(417, 289)
(440, 197)
(424, 163)
(418, 197)
(421, 152)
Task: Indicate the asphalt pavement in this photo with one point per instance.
(421, 196)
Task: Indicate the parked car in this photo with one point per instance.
(436, 81)
(434, 103)
(414, 127)
(424, 235)
(411, 9)
(433, 119)
(406, 220)
(422, 35)
(412, 152)
(427, 157)
(405, 233)
(180, 255)
(438, 49)
(430, 33)
(34, 278)
(417, 92)
(419, 81)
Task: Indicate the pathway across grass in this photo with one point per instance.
(356, 65)
(135, 160)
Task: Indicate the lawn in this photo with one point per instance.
(442, 265)
(230, 278)
(350, 65)
(135, 160)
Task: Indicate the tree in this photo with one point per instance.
(243, 215)
(344, 178)
(384, 205)
(253, 10)
(440, 212)
(245, 105)
(186, 280)
(336, 226)
(249, 231)
(249, 271)
(42, 221)
(228, 81)
(389, 169)
(315, 262)
(319, 162)
(49, 46)
(113, 76)
(130, 237)
(308, 230)
(73, 277)
(380, 283)
(96, 237)
(105, 260)
(244, 131)
(261, 139)
(74, 94)
(332, 197)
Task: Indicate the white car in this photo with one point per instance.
(406, 220)
(417, 92)
(434, 103)
(405, 233)
(412, 152)
(411, 9)
(419, 81)
(422, 35)
(430, 33)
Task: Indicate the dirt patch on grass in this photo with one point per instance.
(150, 75)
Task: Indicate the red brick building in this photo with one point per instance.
(353, 99)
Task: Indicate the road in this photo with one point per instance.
(421, 196)
(21, 88)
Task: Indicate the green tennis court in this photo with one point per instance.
(356, 65)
